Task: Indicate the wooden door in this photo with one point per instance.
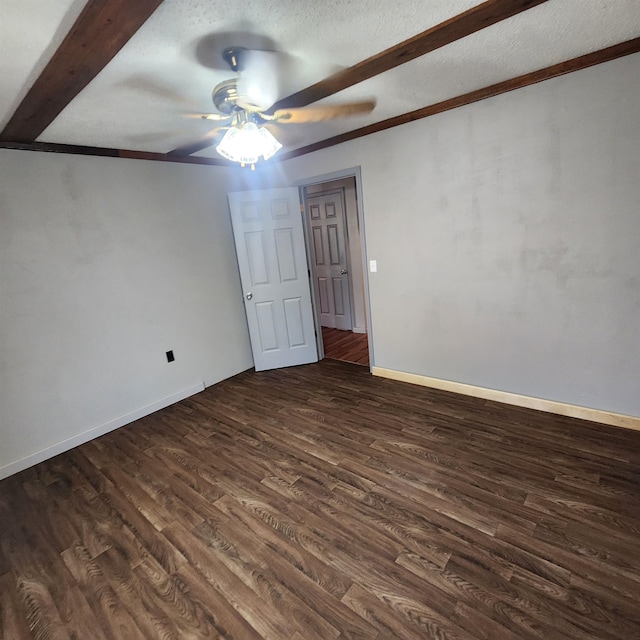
(326, 214)
(269, 238)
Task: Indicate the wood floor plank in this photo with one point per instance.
(242, 561)
(226, 621)
(515, 608)
(626, 583)
(345, 345)
(325, 576)
(40, 610)
(147, 536)
(13, 618)
(108, 612)
(400, 616)
(229, 592)
(311, 595)
(147, 608)
(321, 502)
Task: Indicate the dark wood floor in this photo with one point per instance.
(345, 345)
(319, 502)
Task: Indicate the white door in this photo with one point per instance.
(329, 254)
(267, 228)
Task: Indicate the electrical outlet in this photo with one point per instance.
(170, 356)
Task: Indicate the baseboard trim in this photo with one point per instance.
(359, 330)
(60, 447)
(550, 406)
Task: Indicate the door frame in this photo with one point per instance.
(355, 173)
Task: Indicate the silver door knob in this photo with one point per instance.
(249, 296)
(343, 272)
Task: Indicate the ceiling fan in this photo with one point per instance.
(245, 105)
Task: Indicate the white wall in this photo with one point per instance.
(507, 235)
(106, 264)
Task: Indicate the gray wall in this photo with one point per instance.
(106, 264)
(507, 235)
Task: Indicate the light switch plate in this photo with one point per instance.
(373, 266)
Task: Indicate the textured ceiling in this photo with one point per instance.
(169, 67)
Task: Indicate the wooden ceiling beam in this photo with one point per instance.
(575, 64)
(101, 30)
(193, 147)
(83, 150)
(460, 26)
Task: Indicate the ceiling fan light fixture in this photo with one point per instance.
(270, 146)
(246, 143)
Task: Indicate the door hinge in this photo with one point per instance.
(309, 273)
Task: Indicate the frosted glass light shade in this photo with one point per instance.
(247, 143)
(269, 143)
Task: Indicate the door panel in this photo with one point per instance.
(334, 244)
(318, 246)
(329, 254)
(338, 296)
(323, 294)
(285, 253)
(266, 325)
(269, 239)
(257, 260)
(295, 324)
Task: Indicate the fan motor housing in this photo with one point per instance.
(225, 96)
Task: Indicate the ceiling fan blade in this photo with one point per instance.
(157, 89)
(215, 117)
(258, 85)
(320, 113)
(264, 76)
(197, 145)
(153, 137)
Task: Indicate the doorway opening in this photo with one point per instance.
(335, 251)
(345, 345)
